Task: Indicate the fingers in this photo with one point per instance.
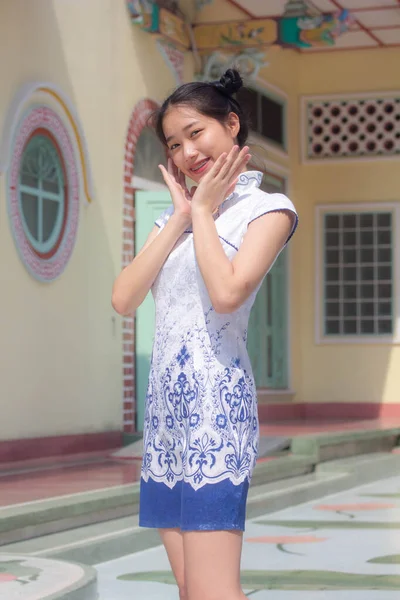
(239, 164)
(238, 161)
(231, 188)
(166, 175)
(173, 170)
(182, 183)
(230, 165)
(171, 175)
(163, 170)
(230, 161)
(217, 166)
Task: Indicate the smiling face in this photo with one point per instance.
(195, 141)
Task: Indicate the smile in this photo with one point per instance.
(199, 167)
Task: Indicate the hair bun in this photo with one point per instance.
(230, 82)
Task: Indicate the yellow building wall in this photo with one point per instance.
(61, 342)
(366, 373)
(325, 372)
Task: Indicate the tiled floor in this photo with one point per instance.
(30, 578)
(39, 480)
(342, 547)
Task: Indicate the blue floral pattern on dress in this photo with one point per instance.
(201, 422)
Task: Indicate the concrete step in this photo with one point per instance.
(98, 543)
(22, 522)
(329, 446)
(328, 478)
(32, 519)
(45, 517)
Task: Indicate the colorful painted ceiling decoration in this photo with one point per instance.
(298, 32)
(249, 61)
(350, 24)
(304, 25)
(161, 18)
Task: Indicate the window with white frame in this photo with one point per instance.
(357, 271)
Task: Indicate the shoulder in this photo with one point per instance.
(262, 203)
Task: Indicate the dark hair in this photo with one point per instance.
(210, 98)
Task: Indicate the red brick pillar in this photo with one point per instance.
(138, 121)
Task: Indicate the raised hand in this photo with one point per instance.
(220, 180)
(181, 196)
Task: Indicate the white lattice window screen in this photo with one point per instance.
(352, 127)
(358, 273)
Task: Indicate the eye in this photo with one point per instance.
(195, 132)
(174, 146)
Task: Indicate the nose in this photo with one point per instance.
(189, 152)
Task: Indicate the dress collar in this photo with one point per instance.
(248, 180)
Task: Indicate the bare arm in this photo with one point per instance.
(134, 282)
(228, 283)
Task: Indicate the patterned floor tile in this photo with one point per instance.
(30, 578)
(342, 547)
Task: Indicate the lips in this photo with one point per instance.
(200, 166)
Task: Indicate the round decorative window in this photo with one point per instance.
(43, 194)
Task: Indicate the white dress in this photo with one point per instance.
(201, 423)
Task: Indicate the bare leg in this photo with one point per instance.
(173, 542)
(212, 565)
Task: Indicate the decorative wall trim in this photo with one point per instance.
(173, 57)
(44, 93)
(138, 120)
(42, 118)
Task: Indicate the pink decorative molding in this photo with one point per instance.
(173, 57)
(38, 120)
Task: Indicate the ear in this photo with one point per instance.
(233, 124)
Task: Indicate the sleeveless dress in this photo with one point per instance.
(201, 425)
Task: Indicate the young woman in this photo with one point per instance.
(204, 261)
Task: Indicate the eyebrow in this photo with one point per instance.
(168, 139)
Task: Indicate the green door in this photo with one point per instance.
(267, 334)
(149, 206)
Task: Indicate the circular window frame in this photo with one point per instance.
(62, 219)
(46, 266)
